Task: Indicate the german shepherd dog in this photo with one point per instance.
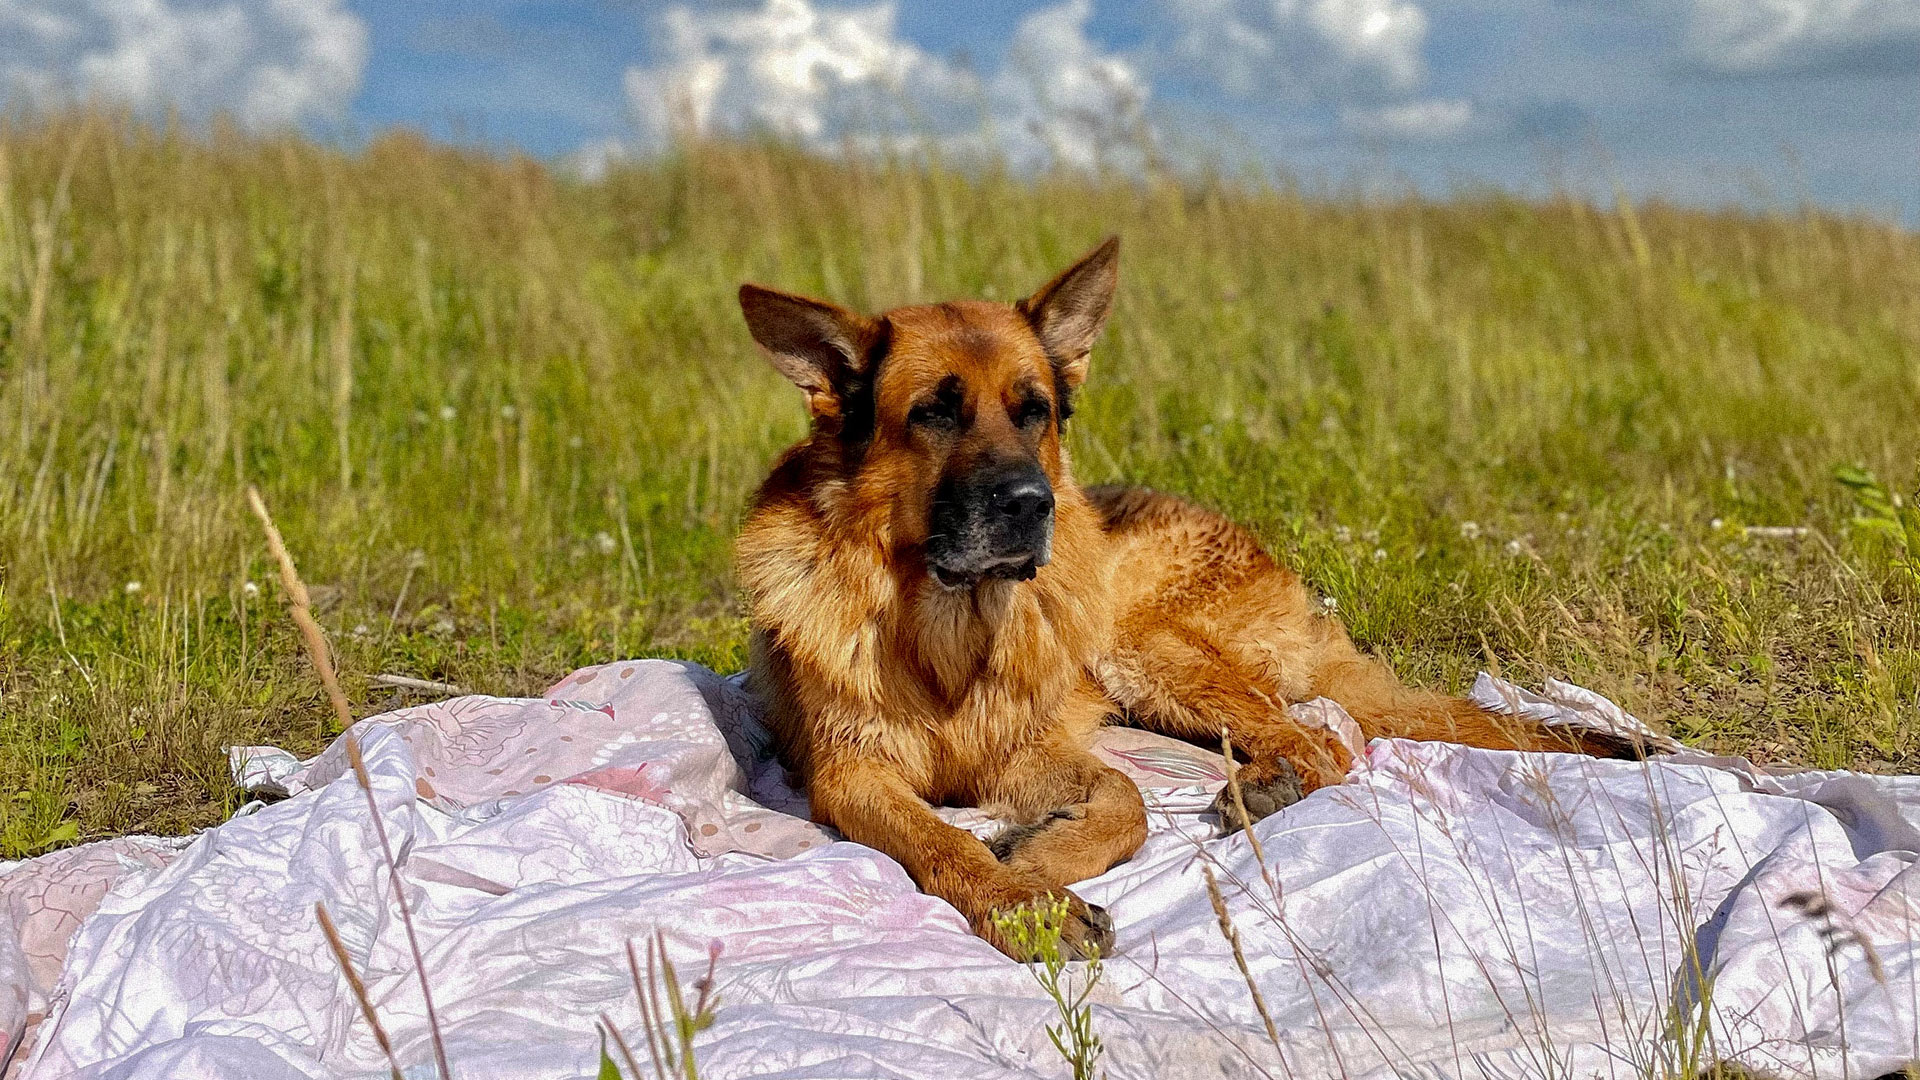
(942, 616)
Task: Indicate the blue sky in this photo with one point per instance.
(1762, 102)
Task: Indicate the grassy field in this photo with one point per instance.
(508, 423)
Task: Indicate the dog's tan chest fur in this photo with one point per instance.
(943, 683)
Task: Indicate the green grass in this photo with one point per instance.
(508, 423)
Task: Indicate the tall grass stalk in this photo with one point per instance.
(299, 607)
(358, 986)
(1034, 930)
(668, 1019)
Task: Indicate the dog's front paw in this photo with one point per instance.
(1089, 932)
(1272, 790)
(1086, 930)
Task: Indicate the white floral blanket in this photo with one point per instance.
(1445, 913)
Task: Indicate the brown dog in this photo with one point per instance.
(941, 616)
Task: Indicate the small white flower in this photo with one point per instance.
(576, 442)
(249, 590)
(604, 542)
(447, 412)
(1379, 554)
(442, 626)
(360, 630)
(133, 587)
(1328, 603)
(1714, 524)
(1469, 530)
(508, 412)
(1342, 534)
(1514, 548)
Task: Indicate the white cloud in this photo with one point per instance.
(818, 73)
(1059, 97)
(785, 66)
(1743, 37)
(1306, 48)
(267, 62)
(1424, 120)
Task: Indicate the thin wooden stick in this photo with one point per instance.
(408, 682)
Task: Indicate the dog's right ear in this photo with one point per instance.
(819, 347)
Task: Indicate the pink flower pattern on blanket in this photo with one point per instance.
(625, 780)
(1181, 764)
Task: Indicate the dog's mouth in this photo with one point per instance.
(1020, 568)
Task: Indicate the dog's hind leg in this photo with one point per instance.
(1385, 708)
(1177, 680)
(1211, 635)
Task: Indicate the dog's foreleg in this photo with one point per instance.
(872, 804)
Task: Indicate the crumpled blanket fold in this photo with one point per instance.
(1446, 912)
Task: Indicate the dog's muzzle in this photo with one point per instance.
(995, 522)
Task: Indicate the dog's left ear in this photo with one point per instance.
(1068, 313)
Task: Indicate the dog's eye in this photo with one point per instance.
(941, 412)
(1032, 411)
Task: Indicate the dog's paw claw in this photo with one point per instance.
(1089, 932)
(1262, 798)
(1085, 933)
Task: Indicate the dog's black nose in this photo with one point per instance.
(1023, 500)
